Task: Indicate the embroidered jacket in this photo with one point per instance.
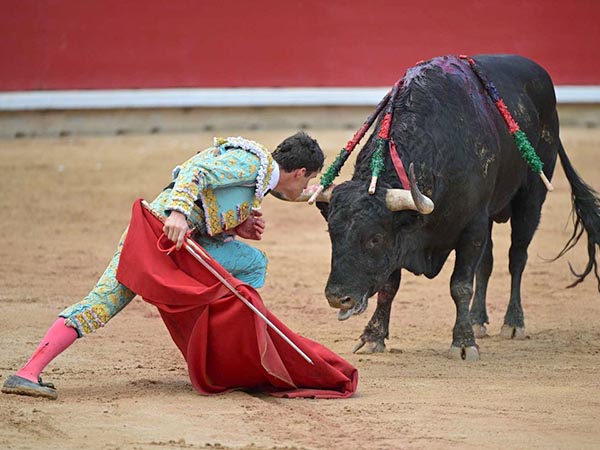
(227, 180)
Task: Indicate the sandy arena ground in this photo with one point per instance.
(64, 204)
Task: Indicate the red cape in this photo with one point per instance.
(225, 344)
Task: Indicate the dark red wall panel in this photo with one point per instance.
(112, 44)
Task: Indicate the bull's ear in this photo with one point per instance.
(324, 208)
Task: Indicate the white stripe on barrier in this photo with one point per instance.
(232, 97)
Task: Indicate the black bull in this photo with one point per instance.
(466, 161)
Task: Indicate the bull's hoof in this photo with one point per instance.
(369, 346)
(480, 331)
(464, 353)
(510, 332)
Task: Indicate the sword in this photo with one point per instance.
(203, 258)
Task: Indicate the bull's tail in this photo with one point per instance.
(586, 217)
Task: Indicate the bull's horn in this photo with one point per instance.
(402, 199)
(399, 200)
(324, 196)
(424, 204)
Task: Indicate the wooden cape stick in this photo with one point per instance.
(201, 256)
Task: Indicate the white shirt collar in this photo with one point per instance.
(274, 176)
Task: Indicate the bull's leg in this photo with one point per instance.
(468, 253)
(524, 221)
(377, 330)
(479, 316)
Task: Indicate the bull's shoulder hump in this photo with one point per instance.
(508, 63)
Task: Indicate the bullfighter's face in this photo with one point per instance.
(291, 184)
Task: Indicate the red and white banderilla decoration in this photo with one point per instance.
(203, 258)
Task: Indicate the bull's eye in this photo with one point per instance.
(375, 241)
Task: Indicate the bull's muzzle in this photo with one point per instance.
(339, 302)
(346, 305)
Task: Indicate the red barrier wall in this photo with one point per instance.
(112, 44)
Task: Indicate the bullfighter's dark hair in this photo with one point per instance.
(298, 151)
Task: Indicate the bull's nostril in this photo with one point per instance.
(339, 301)
(346, 301)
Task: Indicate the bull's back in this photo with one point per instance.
(518, 78)
(528, 92)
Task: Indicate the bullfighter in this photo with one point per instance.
(214, 196)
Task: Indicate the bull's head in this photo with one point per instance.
(365, 233)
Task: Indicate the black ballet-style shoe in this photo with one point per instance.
(22, 386)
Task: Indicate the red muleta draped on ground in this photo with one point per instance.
(225, 344)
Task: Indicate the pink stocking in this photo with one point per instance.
(57, 339)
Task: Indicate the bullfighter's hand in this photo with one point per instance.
(252, 228)
(176, 228)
